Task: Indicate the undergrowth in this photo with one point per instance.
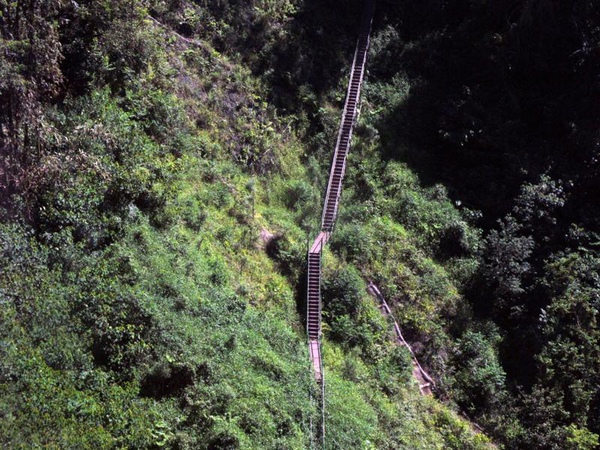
(153, 241)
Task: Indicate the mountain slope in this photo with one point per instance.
(154, 215)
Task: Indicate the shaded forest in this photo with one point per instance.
(501, 108)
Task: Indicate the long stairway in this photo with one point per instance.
(334, 190)
(342, 147)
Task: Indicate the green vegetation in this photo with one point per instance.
(162, 165)
(491, 103)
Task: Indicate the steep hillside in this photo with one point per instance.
(161, 174)
(496, 103)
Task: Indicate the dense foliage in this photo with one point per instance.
(498, 102)
(155, 201)
(161, 170)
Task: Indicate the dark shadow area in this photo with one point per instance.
(316, 54)
(503, 110)
(169, 381)
(498, 97)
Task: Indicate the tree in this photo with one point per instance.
(30, 74)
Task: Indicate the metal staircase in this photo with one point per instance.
(334, 191)
(328, 218)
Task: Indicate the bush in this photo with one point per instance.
(479, 381)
